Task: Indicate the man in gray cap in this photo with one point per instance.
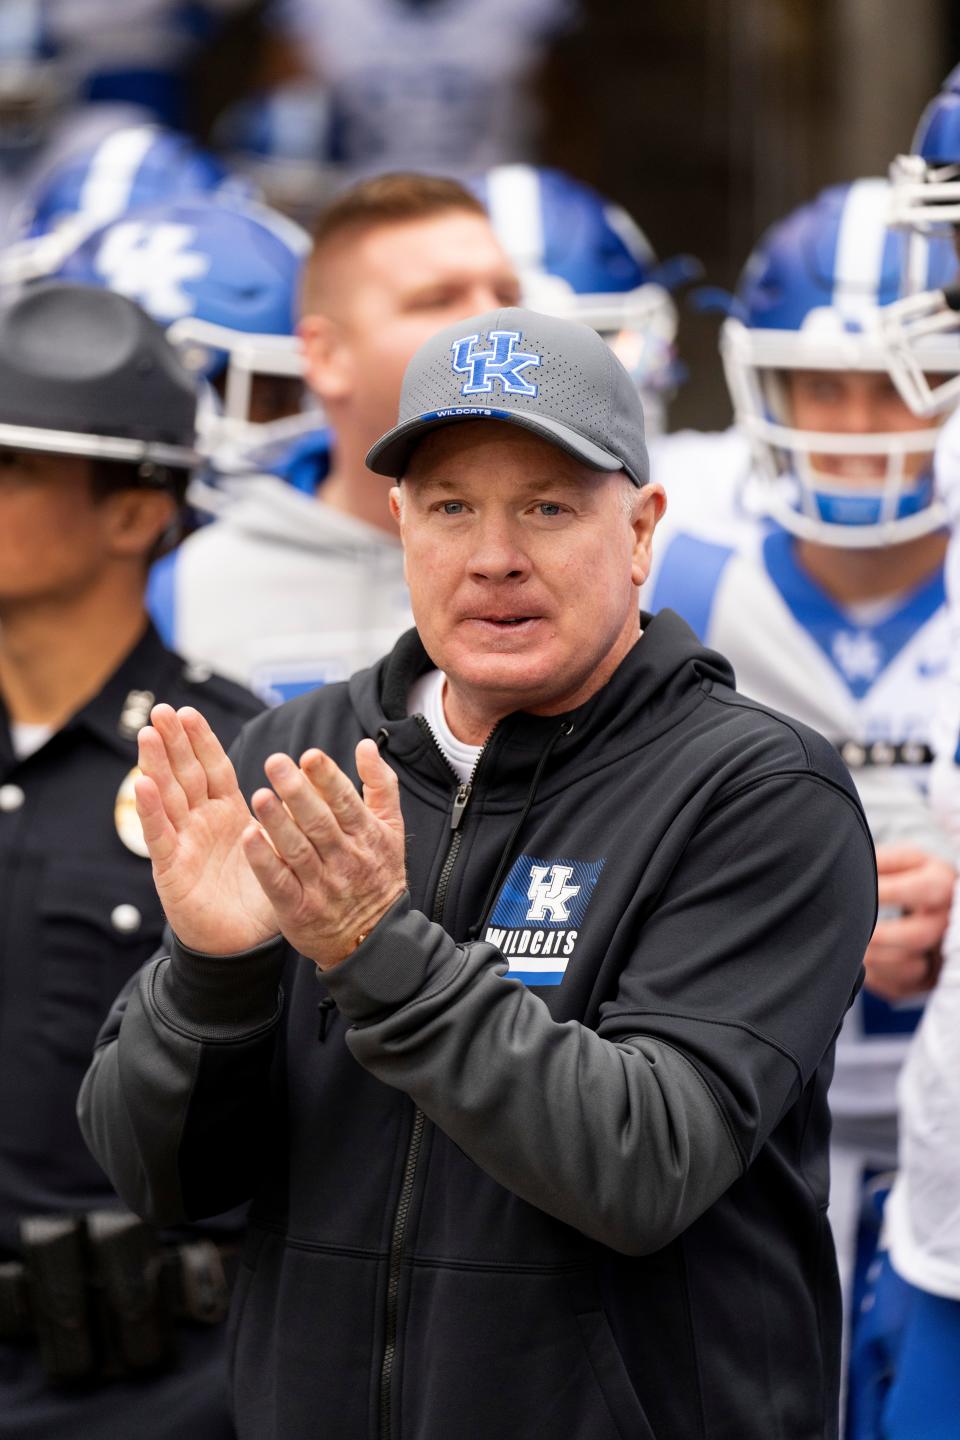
(536, 1144)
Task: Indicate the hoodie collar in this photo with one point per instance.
(662, 676)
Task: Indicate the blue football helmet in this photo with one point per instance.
(810, 298)
(925, 201)
(926, 183)
(222, 279)
(581, 256)
(130, 168)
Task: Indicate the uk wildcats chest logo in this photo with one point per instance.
(539, 914)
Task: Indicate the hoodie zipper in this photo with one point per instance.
(401, 1215)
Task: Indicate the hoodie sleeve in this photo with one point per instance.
(176, 1096)
(734, 991)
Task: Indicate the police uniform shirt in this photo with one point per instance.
(80, 914)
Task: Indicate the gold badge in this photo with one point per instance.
(125, 816)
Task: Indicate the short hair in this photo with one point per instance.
(393, 199)
(107, 477)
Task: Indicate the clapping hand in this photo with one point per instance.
(321, 867)
(330, 863)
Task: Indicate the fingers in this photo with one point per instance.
(158, 832)
(928, 886)
(339, 793)
(276, 880)
(221, 778)
(290, 842)
(381, 789)
(184, 765)
(917, 932)
(305, 803)
(154, 763)
(899, 977)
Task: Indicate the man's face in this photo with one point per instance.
(56, 535)
(523, 564)
(860, 402)
(390, 290)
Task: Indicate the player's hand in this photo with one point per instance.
(193, 817)
(903, 957)
(333, 864)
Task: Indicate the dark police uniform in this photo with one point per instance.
(79, 915)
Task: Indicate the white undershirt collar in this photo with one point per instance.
(426, 699)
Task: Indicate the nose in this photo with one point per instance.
(496, 555)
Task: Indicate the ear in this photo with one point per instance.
(136, 519)
(648, 510)
(327, 357)
(396, 510)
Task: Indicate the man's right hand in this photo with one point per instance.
(193, 816)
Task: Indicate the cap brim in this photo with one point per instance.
(391, 454)
(96, 447)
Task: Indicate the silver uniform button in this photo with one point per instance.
(196, 673)
(125, 918)
(11, 797)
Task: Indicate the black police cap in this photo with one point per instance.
(87, 372)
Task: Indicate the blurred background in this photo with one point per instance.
(705, 119)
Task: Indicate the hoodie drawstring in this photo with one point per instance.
(506, 856)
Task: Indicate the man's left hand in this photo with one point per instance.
(330, 863)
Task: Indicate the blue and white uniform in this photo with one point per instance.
(283, 592)
(906, 1373)
(866, 676)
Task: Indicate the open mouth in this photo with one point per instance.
(503, 623)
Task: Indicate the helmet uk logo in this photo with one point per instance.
(150, 263)
(539, 914)
(502, 363)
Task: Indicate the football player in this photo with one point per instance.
(581, 256)
(832, 608)
(906, 1370)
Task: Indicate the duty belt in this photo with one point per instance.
(101, 1296)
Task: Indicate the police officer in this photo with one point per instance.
(96, 429)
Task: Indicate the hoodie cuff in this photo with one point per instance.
(223, 996)
(403, 958)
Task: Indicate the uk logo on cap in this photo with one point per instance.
(502, 362)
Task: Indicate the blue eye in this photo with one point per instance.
(453, 507)
(547, 507)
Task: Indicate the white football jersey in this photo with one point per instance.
(867, 679)
(923, 1211)
(282, 593)
(439, 86)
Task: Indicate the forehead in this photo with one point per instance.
(485, 450)
(406, 254)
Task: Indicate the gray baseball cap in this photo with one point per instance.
(554, 377)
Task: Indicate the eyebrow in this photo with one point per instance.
(564, 482)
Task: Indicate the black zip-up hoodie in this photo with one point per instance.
(569, 1178)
